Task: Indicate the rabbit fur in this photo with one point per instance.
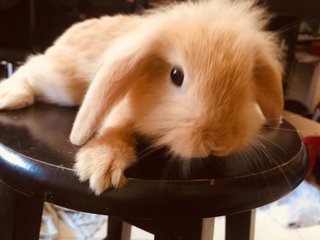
(118, 69)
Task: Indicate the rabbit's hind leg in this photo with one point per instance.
(54, 77)
(16, 92)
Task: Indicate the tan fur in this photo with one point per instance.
(231, 65)
(103, 160)
(68, 65)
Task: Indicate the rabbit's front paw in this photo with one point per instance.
(15, 94)
(103, 165)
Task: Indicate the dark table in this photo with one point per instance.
(36, 161)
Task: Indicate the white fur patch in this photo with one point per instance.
(47, 83)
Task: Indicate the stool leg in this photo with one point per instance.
(20, 216)
(207, 229)
(118, 229)
(184, 229)
(240, 226)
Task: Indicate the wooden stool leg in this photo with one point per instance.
(118, 229)
(184, 229)
(207, 229)
(20, 216)
(240, 226)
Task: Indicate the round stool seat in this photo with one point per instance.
(36, 159)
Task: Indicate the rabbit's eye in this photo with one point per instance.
(177, 76)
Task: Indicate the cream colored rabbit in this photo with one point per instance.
(200, 78)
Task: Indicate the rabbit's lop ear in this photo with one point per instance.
(121, 67)
(268, 86)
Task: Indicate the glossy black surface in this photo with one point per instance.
(36, 159)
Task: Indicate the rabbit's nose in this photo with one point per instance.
(218, 149)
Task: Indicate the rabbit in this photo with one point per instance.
(200, 78)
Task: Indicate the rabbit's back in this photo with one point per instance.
(91, 38)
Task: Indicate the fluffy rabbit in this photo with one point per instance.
(200, 78)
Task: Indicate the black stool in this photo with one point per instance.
(36, 161)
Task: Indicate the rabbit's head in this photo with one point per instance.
(201, 78)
